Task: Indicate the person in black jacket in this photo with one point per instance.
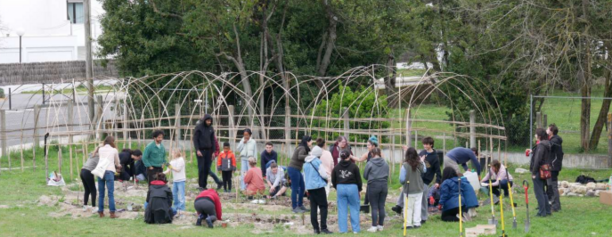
(204, 143)
(125, 158)
(159, 197)
(347, 182)
(557, 163)
(540, 157)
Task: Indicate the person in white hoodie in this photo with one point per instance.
(247, 147)
(316, 178)
(108, 151)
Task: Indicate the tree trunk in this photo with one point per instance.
(605, 108)
(331, 39)
(392, 96)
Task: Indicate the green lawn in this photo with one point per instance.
(580, 216)
(79, 90)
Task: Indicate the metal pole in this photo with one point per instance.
(20, 49)
(10, 100)
(88, 59)
(43, 93)
(530, 120)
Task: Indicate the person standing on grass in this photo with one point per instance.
(377, 174)
(247, 147)
(108, 151)
(154, 156)
(275, 177)
(227, 165)
(340, 145)
(205, 144)
(295, 175)
(89, 182)
(370, 144)
(461, 156)
(316, 180)
(346, 179)
(540, 157)
(177, 166)
(328, 162)
(412, 185)
(268, 155)
(557, 163)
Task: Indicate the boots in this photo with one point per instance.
(101, 214)
(112, 215)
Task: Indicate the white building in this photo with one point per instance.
(52, 30)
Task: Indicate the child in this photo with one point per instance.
(159, 197)
(227, 165)
(253, 179)
(177, 165)
(449, 196)
(411, 178)
(377, 174)
(347, 182)
(316, 180)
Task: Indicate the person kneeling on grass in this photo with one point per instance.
(208, 207)
(159, 198)
(253, 179)
(275, 177)
(449, 196)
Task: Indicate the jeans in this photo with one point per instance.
(413, 210)
(297, 187)
(244, 167)
(553, 191)
(109, 181)
(318, 200)
(424, 202)
(178, 194)
(348, 197)
(377, 192)
(89, 183)
(538, 189)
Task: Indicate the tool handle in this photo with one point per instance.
(526, 187)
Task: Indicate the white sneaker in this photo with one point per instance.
(472, 212)
(380, 228)
(373, 229)
(85, 208)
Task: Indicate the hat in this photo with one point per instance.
(316, 151)
(373, 140)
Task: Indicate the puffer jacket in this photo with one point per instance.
(449, 194)
(159, 197)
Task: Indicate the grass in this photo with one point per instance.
(79, 90)
(411, 72)
(580, 216)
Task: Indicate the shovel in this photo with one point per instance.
(460, 213)
(526, 187)
(405, 207)
(492, 221)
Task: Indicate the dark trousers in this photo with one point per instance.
(377, 193)
(152, 172)
(538, 189)
(206, 207)
(127, 171)
(89, 183)
(503, 184)
(204, 164)
(553, 190)
(227, 180)
(318, 200)
(451, 214)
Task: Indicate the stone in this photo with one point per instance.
(590, 193)
(578, 189)
(4, 206)
(563, 190)
(570, 194)
(597, 192)
(580, 195)
(564, 184)
(591, 185)
(600, 186)
(521, 171)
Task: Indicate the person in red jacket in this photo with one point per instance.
(208, 207)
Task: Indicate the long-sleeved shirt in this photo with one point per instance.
(110, 153)
(247, 150)
(178, 169)
(501, 175)
(462, 155)
(433, 167)
(267, 157)
(154, 155)
(402, 175)
(254, 180)
(275, 179)
(328, 161)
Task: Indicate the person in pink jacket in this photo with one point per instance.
(327, 160)
(502, 178)
(254, 179)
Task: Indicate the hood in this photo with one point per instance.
(345, 163)
(316, 151)
(310, 158)
(378, 162)
(545, 143)
(206, 117)
(158, 182)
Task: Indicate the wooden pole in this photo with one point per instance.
(3, 135)
(539, 119)
(345, 115)
(70, 137)
(472, 128)
(408, 127)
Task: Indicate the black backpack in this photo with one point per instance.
(583, 179)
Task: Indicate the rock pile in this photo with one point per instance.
(580, 190)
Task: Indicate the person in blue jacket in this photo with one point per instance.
(449, 196)
(461, 156)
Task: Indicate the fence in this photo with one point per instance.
(52, 72)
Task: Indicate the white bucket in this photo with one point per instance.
(473, 179)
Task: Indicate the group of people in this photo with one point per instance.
(312, 171)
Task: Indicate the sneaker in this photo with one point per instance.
(423, 222)
(407, 227)
(219, 185)
(373, 229)
(85, 208)
(380, 228)
(397, 209)
(317, 232)
(303, 209)
(209, 222)
(417, 226)
(326, 231)
(297, 210)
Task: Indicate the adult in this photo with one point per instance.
(275, 177)
(328, 162)
(461, 156)
(127, 162)
(154, 156)
(268, 155)
(88, 180)
(109, 152)
(208, 207)
(501, 180)
(140, 171)
(370, 144)
(377, 174)
(340, 145)
(316, 180)
(159, 199)
(295, 176)
(557, 163)
(247, 147)
(346, 179)
(540, 157)
(254, 180)
(449, 196)
(204, 141)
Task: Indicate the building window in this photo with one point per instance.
(75, 11)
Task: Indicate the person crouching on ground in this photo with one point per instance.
(449, 196)
(275, 177)
(316, 179)
(254, 179)
(501, 180)
(208, 207)
(159, 197)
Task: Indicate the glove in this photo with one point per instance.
(233, 168)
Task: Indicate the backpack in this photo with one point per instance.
(583, 179)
